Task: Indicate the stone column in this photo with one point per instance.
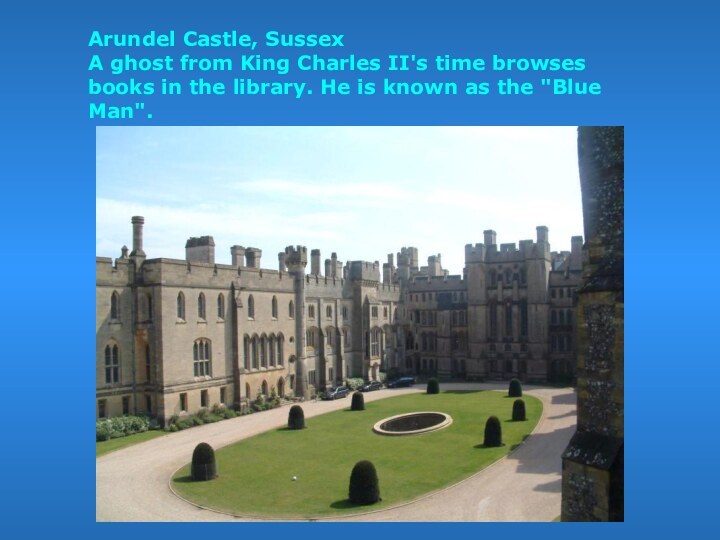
(593, 462)
(296, 261)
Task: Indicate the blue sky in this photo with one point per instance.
(362, 192)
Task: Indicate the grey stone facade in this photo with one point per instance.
(177, 335)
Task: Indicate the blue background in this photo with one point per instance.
(658, 68)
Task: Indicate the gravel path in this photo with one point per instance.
(132, 484)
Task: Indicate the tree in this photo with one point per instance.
(433, 386)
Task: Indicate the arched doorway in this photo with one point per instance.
(281, 387)
(264, 389)
(247, 391)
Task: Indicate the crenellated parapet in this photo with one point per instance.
(296, 258)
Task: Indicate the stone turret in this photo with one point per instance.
(252, 257)
(315, 262)
(296, 261)
(200, 250)
(576, 243)
(237, 254)
(490, 237)
(282, 267)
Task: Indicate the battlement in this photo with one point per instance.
(324, 286)
(200, 249)
(194, 241)
(296, 257)
(474, 253)
(108, 273)
(508, 252)
(365, 271)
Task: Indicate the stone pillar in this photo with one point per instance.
(593, 462)
(281, 262)
(296, 260)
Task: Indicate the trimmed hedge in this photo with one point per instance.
(296, 417)
(518, 414)
(203, 463)
(433, 386)
(364, 485)
(493, 432)
(120, 426)
(515, 388)
(358, 402)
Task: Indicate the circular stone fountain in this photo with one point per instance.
(413, 423)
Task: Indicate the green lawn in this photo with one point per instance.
(255, 475)
(103, 447)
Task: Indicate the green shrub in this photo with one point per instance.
(358, 402)
(354, 383)
(228, 413)
(185, 423)
(515, 388)
(102, 432)
(364, 485)
(518, 414)
(493, 432)
(296, 417)
(203, 463)
(120, 426)
(433, 386)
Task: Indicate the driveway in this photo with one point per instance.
(132, 484)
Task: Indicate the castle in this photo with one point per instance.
(173, 336)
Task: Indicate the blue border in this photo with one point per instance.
(658, 67)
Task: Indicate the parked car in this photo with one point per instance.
(335, 392)
(401, 382)
(370, 386)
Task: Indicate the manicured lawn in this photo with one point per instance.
(104, 447)
(255, 475)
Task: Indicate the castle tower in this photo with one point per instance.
(296, 260)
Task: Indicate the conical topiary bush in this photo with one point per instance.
(203, 463)
(296, 417)
(364, 485)
(493, 432)
(433, 386)
(518, 414)
(358, 402)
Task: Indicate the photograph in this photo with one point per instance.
(435, 332)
